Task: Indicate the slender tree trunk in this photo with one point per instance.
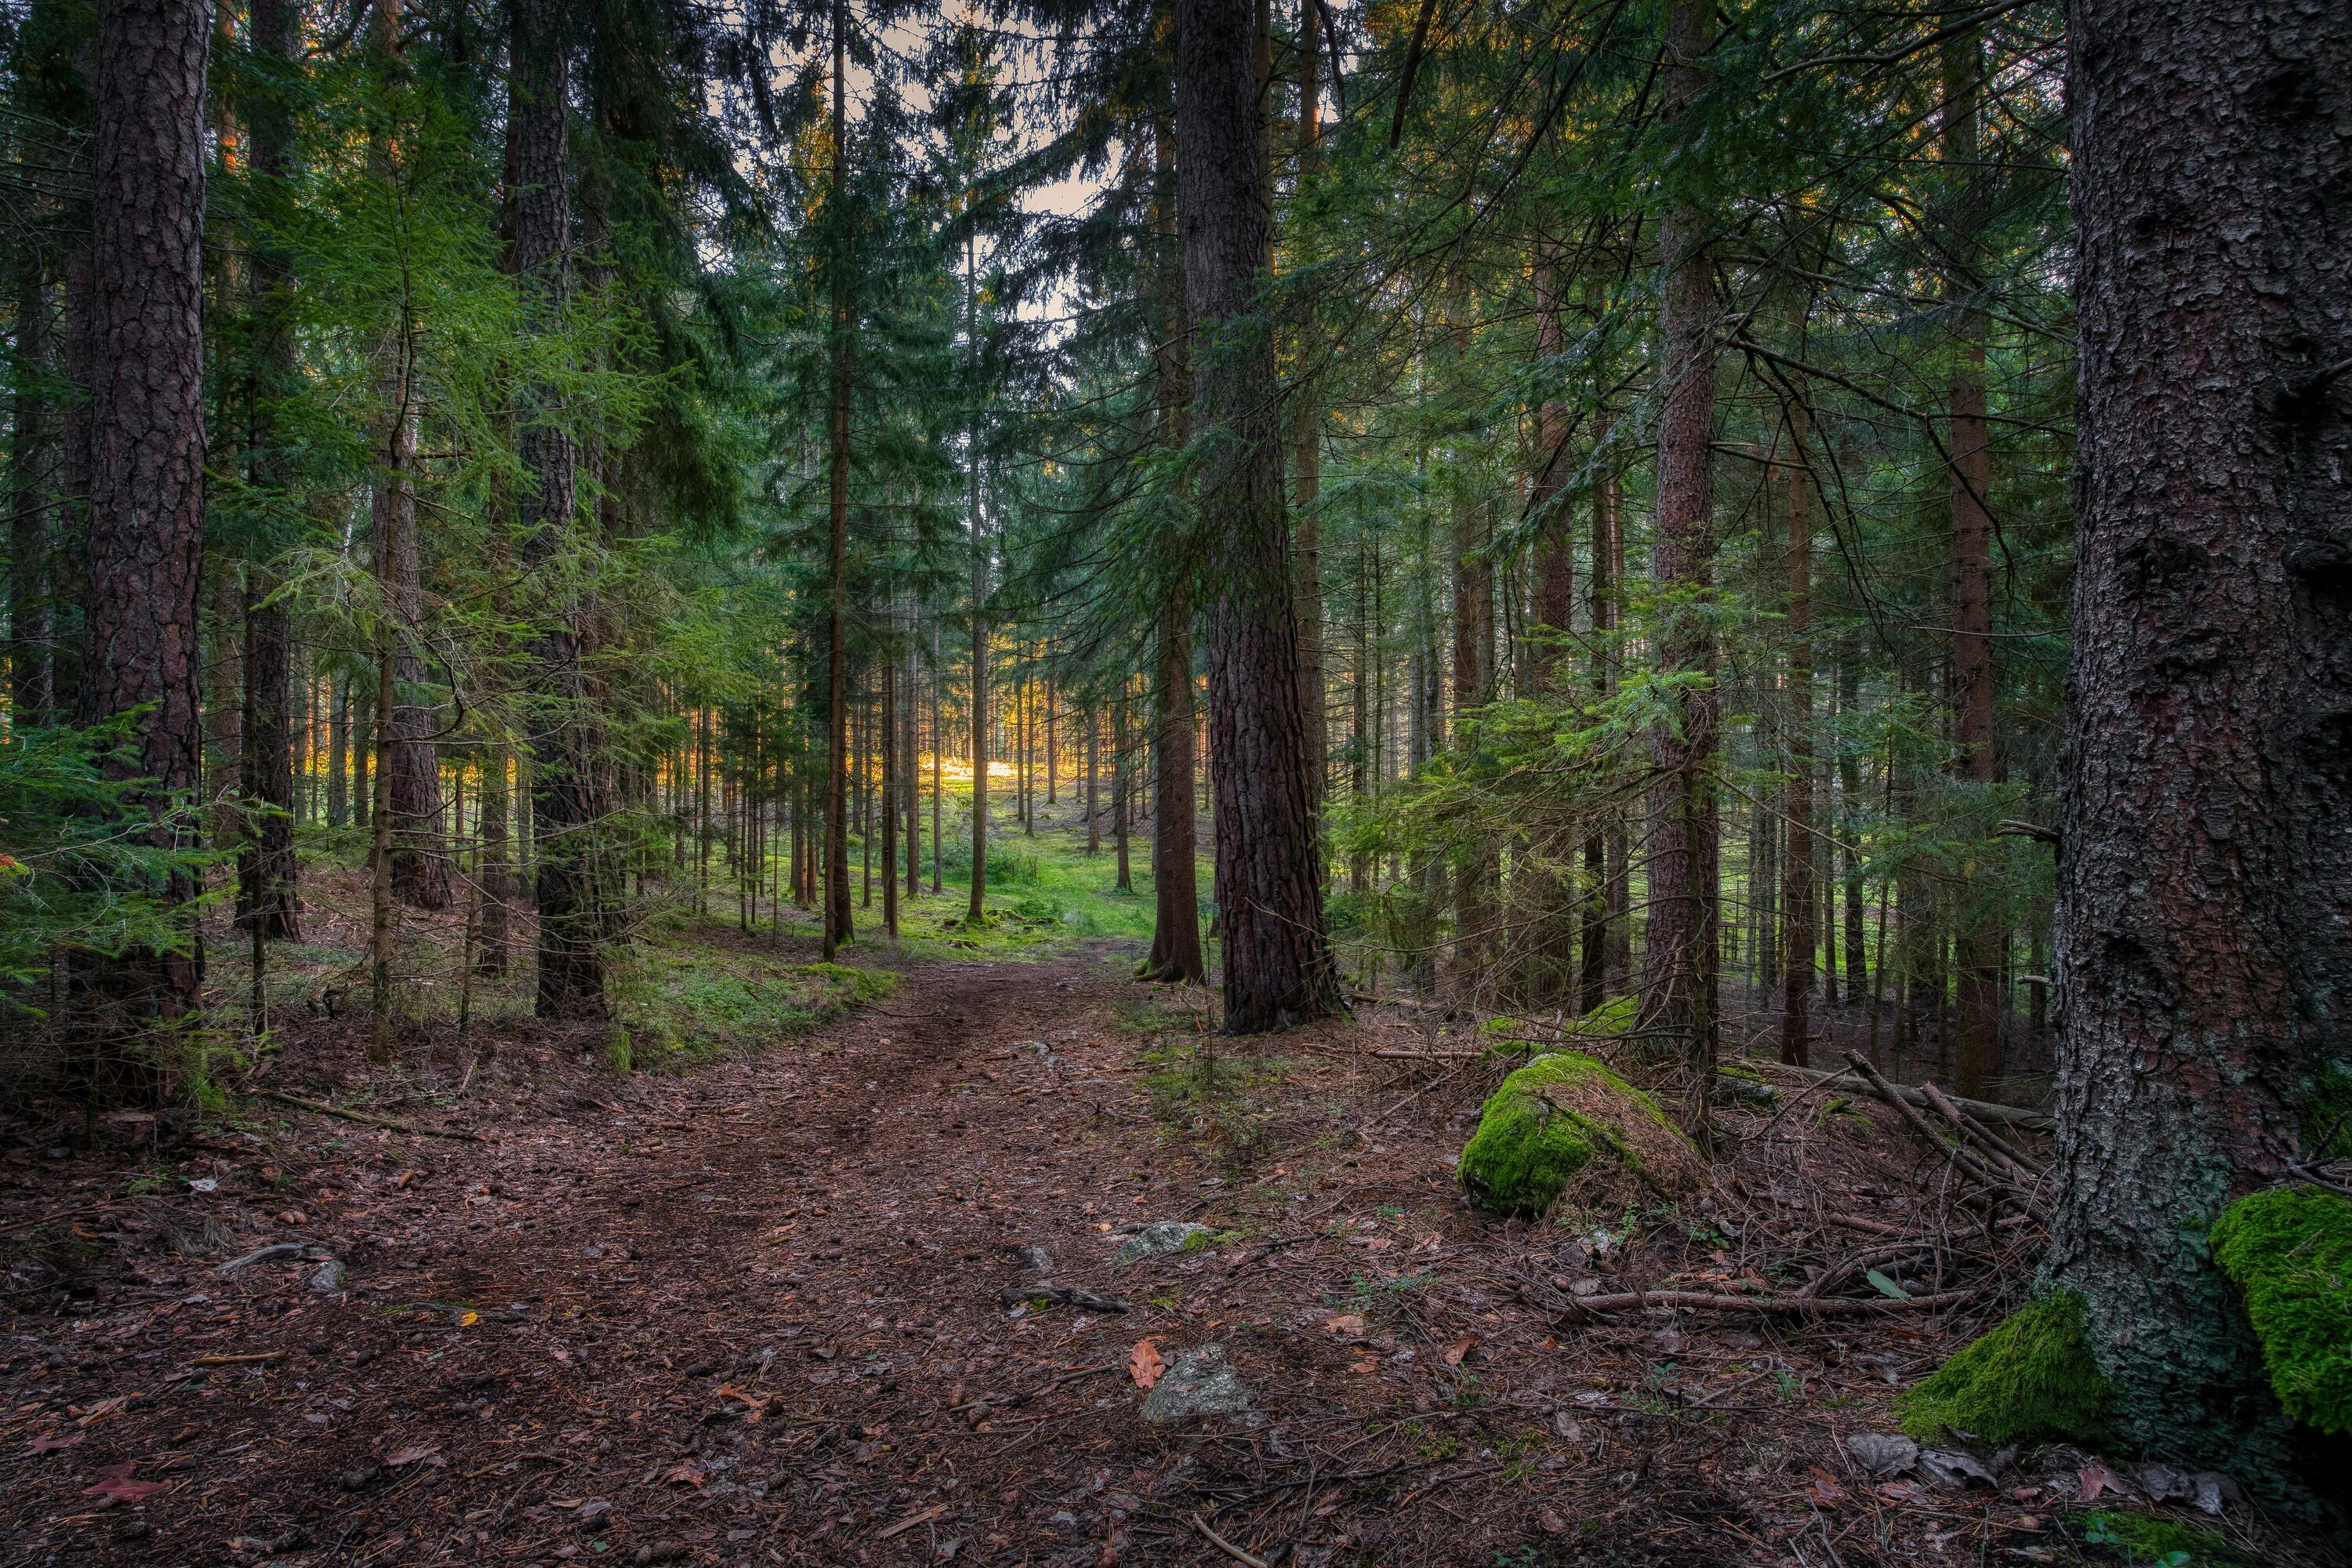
(1306, 443)
(888, 738)
(837, 918)
(1277, 964)
(1980, 938)
(1550, 895)
(145, 428)
(1478, 871)
(1118, 788)
(2203, 869)
(1681, 957)
(1797, 892)
(566, 816)
(1176, 928)
(1094, 814)
(33, 482)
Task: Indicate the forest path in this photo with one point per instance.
(747, 1313)
(782, 1309)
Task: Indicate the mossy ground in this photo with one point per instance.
(2289, 1252)
(2031, 1378)
(1552, 1121)
(2328, 1113)
(2143, 1541)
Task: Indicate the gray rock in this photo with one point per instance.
(1197, 1382)
(2206, 1490)
(1882, 1454)
(329, 1279)
(1161, 1235)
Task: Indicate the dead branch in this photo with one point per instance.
(363, 1118)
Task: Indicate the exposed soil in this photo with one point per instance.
(757, 1313)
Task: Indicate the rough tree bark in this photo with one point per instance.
(1681, 956)
(1176, 954)
(1478, 871)
(1307, 440)
(564, 811)
(839, 926)
(2204, 956)
(145, 424)
(1278, 963)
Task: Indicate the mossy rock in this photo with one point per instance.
(1611, 1018)
(1565, 1119)
(2289, 1252)
(2031, 1378)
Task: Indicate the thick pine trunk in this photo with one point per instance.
(145, 421)
(1277, 964)
(565, 813)
(1681, 957)
(2205, 877)
(839, 926)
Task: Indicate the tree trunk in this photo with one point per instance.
(1176, 927)
(1306, 442)
(565, 810)
(1118, 788)
(1680, 959)
(1980, 939)
(1797, 889)
(2201, 956)
(145, 426)
(1550, 898)
(32, 482)
(1277, 964)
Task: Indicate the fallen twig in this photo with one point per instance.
(921, 1515)
(2014, 1116)
(1831, 1306)
(1962, 1158)
(1227, 1547)
(1063, 1296)
(364, 1120)
(258, 1254)
(238, 1360)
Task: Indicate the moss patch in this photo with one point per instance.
(2030, 1378)
(1611, 1018)
(1558, 1117)
(2145, 1542)
(2289, 1252)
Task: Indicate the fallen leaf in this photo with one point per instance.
(45, 1444)
(1885, 1287)
(1825, 1490)
(754, 1407)
(1900, 1492)
(1453, 1352)
(115, 1482)
(103, 1408)
(1346, 1323)
(1369, 1363)
(685, 1475)
(423, 1453)
(467, 1320)
(2096, 1478)
(1144, 1365)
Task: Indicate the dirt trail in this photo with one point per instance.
(759, 1313)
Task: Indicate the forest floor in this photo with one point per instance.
(848, 1295)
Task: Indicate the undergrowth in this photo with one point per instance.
(2030, 1378)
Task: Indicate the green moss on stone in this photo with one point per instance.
(1529, 1143)
(1611, 1018)
(2030, 1378)
(2289, 1252)
(2328, 1113)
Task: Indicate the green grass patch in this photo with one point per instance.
(677, 1002)
(2140, 1541)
